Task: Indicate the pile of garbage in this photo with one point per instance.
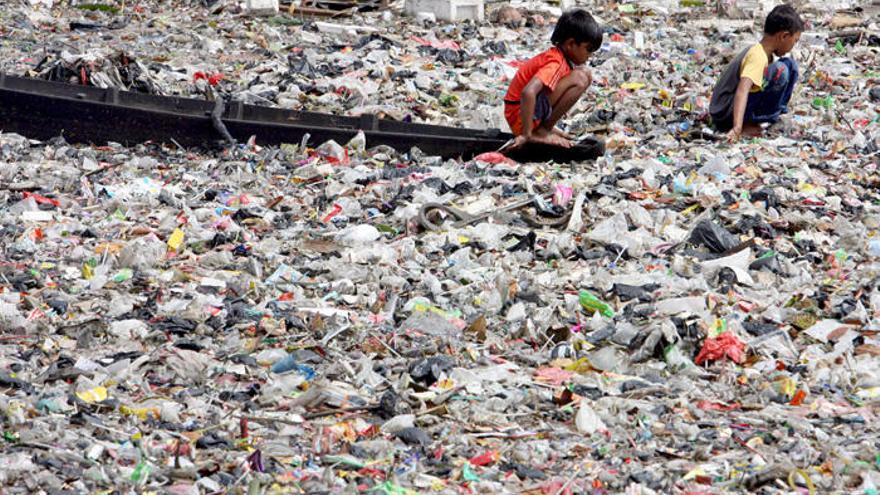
(680, 316)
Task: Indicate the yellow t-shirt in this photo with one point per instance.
(754, 65)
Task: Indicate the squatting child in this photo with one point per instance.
(754, 88)
(548, 85)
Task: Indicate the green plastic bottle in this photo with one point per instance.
(592, 304)
(826, 102)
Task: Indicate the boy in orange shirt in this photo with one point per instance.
(548, 85)
(754, 88)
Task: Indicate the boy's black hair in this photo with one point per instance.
(579, 25)
(783, 18)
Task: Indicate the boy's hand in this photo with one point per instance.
(734, 135)
(518, 142)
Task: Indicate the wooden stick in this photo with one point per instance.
(846, 34)
(331, 412)
(264, 420)
(102, 169)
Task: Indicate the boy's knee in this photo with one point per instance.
(787, 68)
(779, 74)
(792, 66)
(581, 80)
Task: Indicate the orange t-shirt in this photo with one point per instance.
(550, 67)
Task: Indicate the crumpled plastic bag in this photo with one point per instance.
(713, 237)
(725, 345)
(587, 420)
(190, 365)
(494, 158)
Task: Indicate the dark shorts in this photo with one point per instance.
(767, 105)
(722, 123)
(542, 112)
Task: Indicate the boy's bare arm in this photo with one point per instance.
(740, 99)
(527, 105)
(528, 100)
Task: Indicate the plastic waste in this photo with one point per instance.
(591, 303)
(587, 420)
(288, 363)
(726, 345)
(258, 319)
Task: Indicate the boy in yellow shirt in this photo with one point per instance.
(754, 88)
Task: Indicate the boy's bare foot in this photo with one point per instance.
(557, 140)
(752, 130)
(559, 132)
(550, 137)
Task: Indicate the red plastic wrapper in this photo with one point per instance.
(553, 376)
(556, 487)
(41, 199)
(440, 45)
(335, 211)
(485, 458)
(725, 345)
(494, 158)
(708, 405)
(213, 79)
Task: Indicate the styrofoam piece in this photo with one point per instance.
(448, 10)
(262, 7)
